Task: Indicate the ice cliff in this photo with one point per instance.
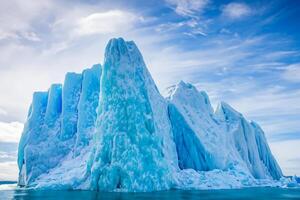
(110, 129)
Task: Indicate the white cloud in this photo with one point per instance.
(8, 35)
(7, 156)
(191, 27)
(188, 7)
(10, 132)
(31, 36)
(276, 110)
(2, 111)
(270, 100)
(105, 22)
(70, 26)
(236, 10)
(292, 73)
(9, 171)
(287, 154)
(16, 17)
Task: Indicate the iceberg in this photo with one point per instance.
(134, 150)
(109, 129)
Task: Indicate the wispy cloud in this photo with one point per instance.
(88, 22)
(188, 7)
(236, 10)
(287, 136)
(287, 154)
(292, 73)
(16, 18)
(8, 151)
(3, 111)
(31, 36)
(9, 171)
(8, 164)
(10, 132)
(189, 27)
(268, 107)
(94, 23)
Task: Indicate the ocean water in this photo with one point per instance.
(247, 194)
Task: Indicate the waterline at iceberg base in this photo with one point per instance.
(110, 129)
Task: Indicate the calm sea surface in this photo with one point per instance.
(249, 193)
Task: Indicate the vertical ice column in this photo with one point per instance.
(54, 105)
(70, 97)
(36, 118)
(87, 106)
(31, 136)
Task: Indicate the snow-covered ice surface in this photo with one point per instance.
(110, 129)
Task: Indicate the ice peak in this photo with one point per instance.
(116, 42)
(116, 47)
(183, 84)
(95, 67)
(39, 99)
(226, 112)
(121, 54)
(179, 88)
(188, 94)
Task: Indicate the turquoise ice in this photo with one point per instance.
(108, 128)
(129, 146)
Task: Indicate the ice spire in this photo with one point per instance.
(132, 153)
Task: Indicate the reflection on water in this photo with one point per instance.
(249, 194)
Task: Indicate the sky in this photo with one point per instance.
(246, 53)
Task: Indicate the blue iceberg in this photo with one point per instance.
(108, 128)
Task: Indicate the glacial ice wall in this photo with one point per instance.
(197, 112)
(108, 128)
(191, 152)
(250, 143)
(228, 139)
(56, 120)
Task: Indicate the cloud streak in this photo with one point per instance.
(236, 10)
(292, 73)
(287, 154)
(95, 23)
(10, 132)
(188, 7)
(9, 171)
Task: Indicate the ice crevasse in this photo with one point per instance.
(108, 128)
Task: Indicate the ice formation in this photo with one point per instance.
(110, 129)
(134, 148)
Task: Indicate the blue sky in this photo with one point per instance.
(246, 53)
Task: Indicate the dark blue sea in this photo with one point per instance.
(247, 194)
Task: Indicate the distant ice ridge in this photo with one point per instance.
(110, 129)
